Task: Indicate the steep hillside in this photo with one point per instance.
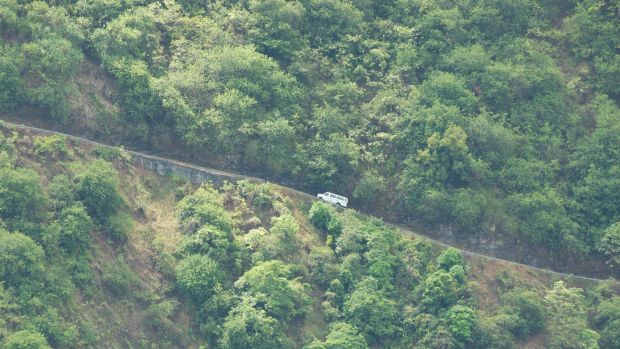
(98, 252)
(496, 119)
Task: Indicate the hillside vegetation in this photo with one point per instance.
(95, 252)
(496, 116)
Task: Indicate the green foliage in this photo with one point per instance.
(26, 340)
(11, 84)
(21, 262)
(98, 190)
(449, 258)
(528, 311)
(271, 284)
(368, 309)
(197, 276)
(320, 215)
(370, 187)
(341, 336)
(567, 319)
(322, 265)
(21, 196)
(209, 241)
(248, 326)
(119, 278)
(462, 323)
(438, 291)
(51, 146)
(204, 206)
(75, 228)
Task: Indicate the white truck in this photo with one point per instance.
(333, 198)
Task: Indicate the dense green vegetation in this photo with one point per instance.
(246, 266)
(489, 115)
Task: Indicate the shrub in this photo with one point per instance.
(204, 206)
(320, 216)
(197, 275)
(462, 323)
(21, 262)
(529, 312)
(51, 146)
(98, 190)
(610, 243)
(247, 326)
(370, 310)
(21, 195)
(26, 340)
(341, 336)
(449, 258)
(438, 291)
(111, 153)
(75, 229)
(119, 225)
(272, 284)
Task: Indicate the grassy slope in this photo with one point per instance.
(118, 319)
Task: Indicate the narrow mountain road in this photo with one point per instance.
(200, 174)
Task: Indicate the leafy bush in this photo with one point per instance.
(119, 225)
(98, 190)
(21, 262)
(341, 335)
(51, 146)
(248, 326)
(319, 215)
(610, 243)
(26, 340)
(204, 206)
(272, 285)
(462, 323)
(370, 310)
(449, 258)
(197, 276)
(528, 310)
(21, 195)
(75, 229)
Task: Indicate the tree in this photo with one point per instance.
(462, 323)
(610, 243)
(276, 28)
(272, 285)
(21, 262)
(204, 206)
(11, 84)
(247, 326)
(528, 310)
(26, 340)
(21, 195)
(450, 90)
(210, 241)
(438, 291)
(98, 190)
(75, 229)
(341, 336)
(368, 309)
(567, 320)
(607, 319)
(320, 215)
(595, 161)
(449, 258)
(197, 276)
(370, 187)
(322, 265)
(542, 218)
